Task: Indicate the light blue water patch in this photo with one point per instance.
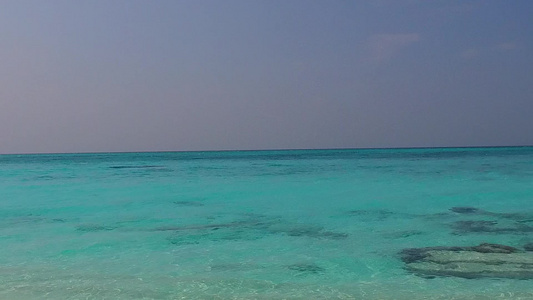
(300, 224)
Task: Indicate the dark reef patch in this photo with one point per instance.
(517, 217)
(234, 267)
(482, 261)
(374, 215)
(307, 268)
(474, 226)
(94, 228)
(216, 234)
(137, 167)
(411, 255)
(465, 210)
(332, 235)
(493, 248)
(188, 203)
(246, 229)
(304, 230)
(215, 226)
(402, 234)
(489, 226)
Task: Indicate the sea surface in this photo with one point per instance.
(297, 224)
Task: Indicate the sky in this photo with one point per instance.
(114, 75)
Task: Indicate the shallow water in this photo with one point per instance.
(301, 224)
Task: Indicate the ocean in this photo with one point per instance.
(291, 224)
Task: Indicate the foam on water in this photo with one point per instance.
(313, 224)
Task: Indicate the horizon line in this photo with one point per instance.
(276, 149)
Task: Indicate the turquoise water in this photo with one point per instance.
(300, 224)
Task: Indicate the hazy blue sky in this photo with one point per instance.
(83, 76)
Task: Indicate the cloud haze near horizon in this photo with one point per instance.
(91, 76)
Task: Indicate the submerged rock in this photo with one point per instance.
(482, 261)
(465, 210)
(94, 228)
(189, 203)
(474, 226)
(411, 255)
(377, 215)
(306, 268)
(402, 234)
(136, 167)
(215, 226)
(252, 228)
(214, 235)
(528, 247)
(489, 226)
(304, 230)
(494, 248)
(331, 235)
(517, 217)
(234, 267)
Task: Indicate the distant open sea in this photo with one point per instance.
(296, 224)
